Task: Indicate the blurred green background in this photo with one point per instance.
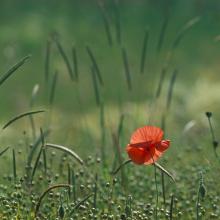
(27, 25)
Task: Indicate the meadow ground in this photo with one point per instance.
(97, 71)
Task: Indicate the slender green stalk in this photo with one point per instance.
(117, 21)
(163, 187)
(14, 164)
(64, 56)
(95, 192)
(170, 91)
(75, 63)
(53, 88)
(73, 184)
(162, 33)
(47, 61)
(161, 81)
(95, 86)
(171, 207)
(95, 65)
(127, 70)
(144, 51)
(106, 23)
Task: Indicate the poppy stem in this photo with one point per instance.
(155, 178)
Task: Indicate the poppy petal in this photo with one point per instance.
(163, 145)
(136, 154)
(152, 156)
(147, 134)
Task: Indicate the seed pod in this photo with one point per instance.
(61, 212)
(202, 191)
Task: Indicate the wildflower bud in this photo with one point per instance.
(208, 114)
(202, 191)
(215, 144)
(61, 212)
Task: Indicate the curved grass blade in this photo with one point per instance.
(127, 70)
(2, 152)
(96, 67)
(124, 163)
(21, 116)
(144, 51)
(164, 170)
(183, 31)
(45, 193)
(6, 75)
(66, 150)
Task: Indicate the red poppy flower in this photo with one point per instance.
(146, 145)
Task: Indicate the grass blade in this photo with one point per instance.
(184, 30)
(163, 187)
(53, 88)
(117, 21)
(95, 65)
(66, 150)
(103, 133)
(106, 23)
(80, 203)
(95, 86)
(64, 56)
(162, 33)
(144, 51)
(45, 193)
(164, 170)
(6, 75)
(171, 207)
(95, 192)
(2, 152)
(73, 184)
(75, 63)
(21, 116)
(14, 165)
(127, 70)
(33, 97)
(36, 164)
(47, 61)
(170, 91)
(161, 81)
